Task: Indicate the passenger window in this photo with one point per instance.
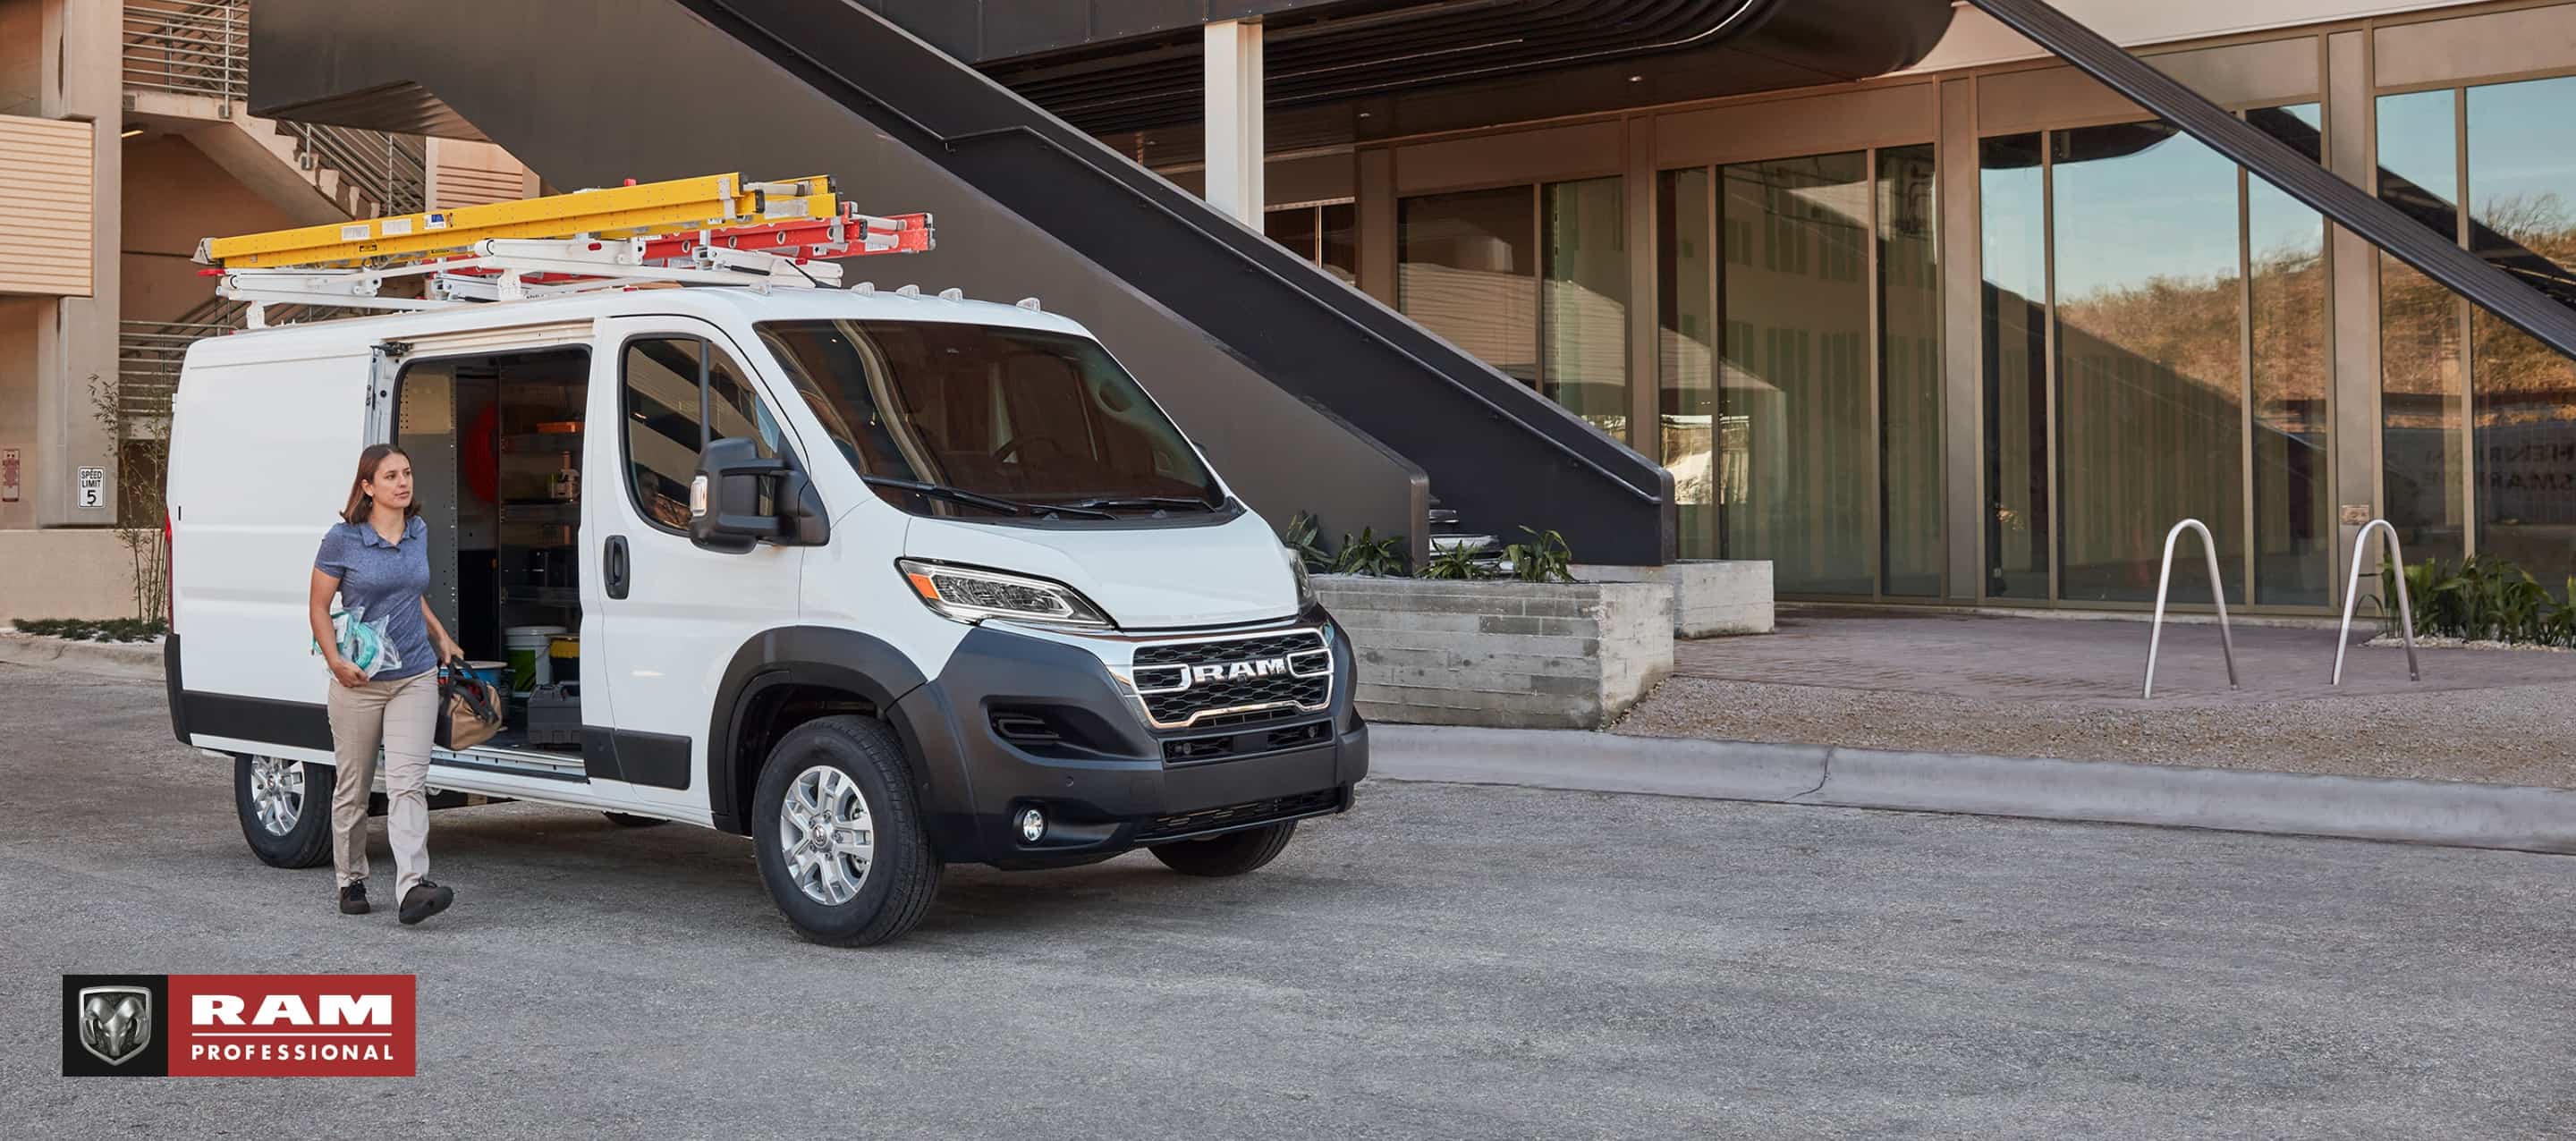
(668, 421)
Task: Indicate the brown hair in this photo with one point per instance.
(361, 503)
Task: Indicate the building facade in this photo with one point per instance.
(1975, 331)
(1981, 331)
(125, 138)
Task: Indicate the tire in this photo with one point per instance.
(1231, 854)
(630, 820)
(822, 765)
(303, 802)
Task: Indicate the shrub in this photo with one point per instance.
(96, 629)
(1370, 555)
(1544, 558)
(1457, 562)
(2481, 599)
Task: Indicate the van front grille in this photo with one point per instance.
(1194, 683)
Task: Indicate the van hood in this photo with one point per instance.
(1145, 577)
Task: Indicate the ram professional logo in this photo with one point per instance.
(115, 1022)
(1238, 671)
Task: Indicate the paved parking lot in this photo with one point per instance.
(1447, 961)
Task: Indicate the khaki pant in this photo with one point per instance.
(400, 716)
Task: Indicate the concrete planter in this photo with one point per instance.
(1513, 655)
(1710, 597)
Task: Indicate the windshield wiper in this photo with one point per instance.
(1148, 501)
(976, 499)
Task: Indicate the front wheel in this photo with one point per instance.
(285, 809)
(1231, 854)
(839, 836)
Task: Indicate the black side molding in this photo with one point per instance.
(2353, 208)
(298, 723)
(657, 759)
(176, 689)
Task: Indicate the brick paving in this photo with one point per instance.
(2088, 660)
(2068, 688)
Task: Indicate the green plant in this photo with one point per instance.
(95, 629)
(1305, 538)
(1370, 555)
(1544, 558)
(2481, 599)
(1456, 562)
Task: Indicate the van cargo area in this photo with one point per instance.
(496, 449)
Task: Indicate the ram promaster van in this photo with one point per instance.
(879, 580)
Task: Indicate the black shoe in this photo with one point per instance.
(425, 899)
(353, 898)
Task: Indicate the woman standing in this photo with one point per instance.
(377, 560)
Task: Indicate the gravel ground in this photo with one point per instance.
(1444, 961)
(2510, 735)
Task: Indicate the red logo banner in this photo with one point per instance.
(291, 1026)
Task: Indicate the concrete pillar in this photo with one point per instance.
(1232, 63)
(1963, 360)
(2353, 291)
(84, 80)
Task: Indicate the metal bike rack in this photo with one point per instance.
(2217, 592)
(2352, 594)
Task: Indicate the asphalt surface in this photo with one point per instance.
(1447, 961)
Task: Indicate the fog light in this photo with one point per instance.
(1032, 826)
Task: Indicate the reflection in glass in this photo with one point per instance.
(1583, 301)
(2011, 196)
(2149, 348)
(1909, 354)
(2285, 247)
(1464, 270)
(1794, 393)
(2421, 454)
(2522, 185)
(1293, 228)
(1340, 241)
(1686, 340)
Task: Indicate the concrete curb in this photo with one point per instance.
(2459, 814)
(108, 659)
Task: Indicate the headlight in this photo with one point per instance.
(968, 594)
(1305, 581)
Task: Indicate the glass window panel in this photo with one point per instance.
(1583, 301)
(1912, 554)
(1341, 241)
(1686, 348)
(2285, 249)
(2522, 185)
(1794, 396)
(2149, 343)
(2013, 304)
(1292, 228)
(1465, 270)
(2422, 454)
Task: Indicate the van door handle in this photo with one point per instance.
(614, 562)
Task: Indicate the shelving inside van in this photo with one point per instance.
(496, 445)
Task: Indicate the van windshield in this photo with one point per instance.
(1009, 417)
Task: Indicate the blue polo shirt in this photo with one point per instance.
(381, 585)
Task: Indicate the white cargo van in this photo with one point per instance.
(881, 581)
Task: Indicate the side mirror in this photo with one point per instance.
(739, 499)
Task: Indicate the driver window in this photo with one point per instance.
(665, 428)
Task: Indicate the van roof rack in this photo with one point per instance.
(711, 230)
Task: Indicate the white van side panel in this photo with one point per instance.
(260, 460)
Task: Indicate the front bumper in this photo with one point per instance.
(1020, 720)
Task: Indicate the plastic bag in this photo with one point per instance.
(364, 644)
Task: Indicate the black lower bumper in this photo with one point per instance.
(1017, 723)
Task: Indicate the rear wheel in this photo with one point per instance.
(839, 836)
(1231, 854)
(285, 809)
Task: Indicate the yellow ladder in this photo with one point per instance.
(617, 212)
